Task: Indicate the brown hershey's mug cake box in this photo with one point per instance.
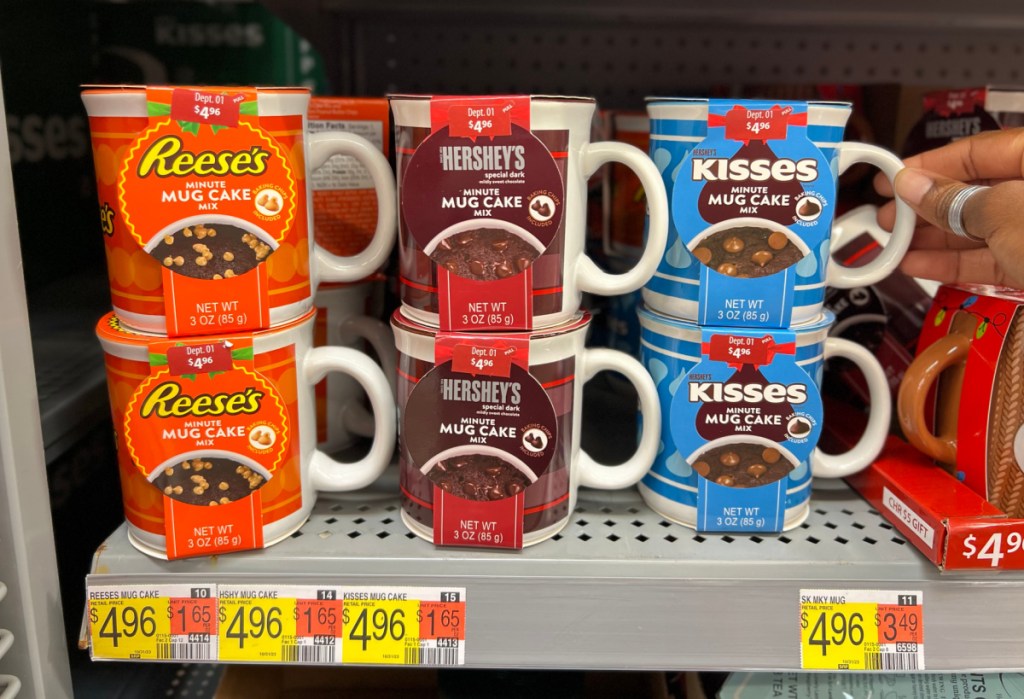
(489, 441)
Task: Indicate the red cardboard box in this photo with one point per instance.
(952, 525)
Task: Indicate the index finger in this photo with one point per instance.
(988, 155)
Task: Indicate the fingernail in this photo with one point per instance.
(912, 185)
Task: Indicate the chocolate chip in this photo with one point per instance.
(777, 240)
(500, 244)
(762, 257)
(476, 267)
(725, 479)
(702, 468)
(730, 458)
(702, 254)
(734, 244)
(504, 269)
(515, 487)
(522, 262)
(728, 269)
(757, 470)
(771, 455)
(809, 207)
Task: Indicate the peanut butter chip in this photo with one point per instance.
(229, 256)
(223, 485)
(179, 261)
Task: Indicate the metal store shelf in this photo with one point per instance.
(622, 588)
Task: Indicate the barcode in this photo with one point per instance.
(431, 656)
(182, 651)
(890, 661)
(307, 654)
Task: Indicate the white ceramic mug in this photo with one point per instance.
(563, 272)
(670, 348)
(288, 367)
(560, 365)
(678, 125)
(347, 315)
(118, 116)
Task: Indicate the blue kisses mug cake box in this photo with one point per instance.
(741, 416)
(752, 193)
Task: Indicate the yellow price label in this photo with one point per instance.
(255, 629)
(380, 632)
(837, 636)
(130, 628)
(861, 630)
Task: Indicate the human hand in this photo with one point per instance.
(993, 217)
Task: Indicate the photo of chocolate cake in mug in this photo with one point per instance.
(216, 251)
(484, 254)
(208, 481)
(747, 251)
(743, 465)
(478, 477)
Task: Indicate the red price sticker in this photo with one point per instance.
(490, 361)
(899, 624)
(318, 617)
(475, 120)
(199, 358)
(190, 615)
(742, 124)
(442, 620)
(745, 349)
(202, 107)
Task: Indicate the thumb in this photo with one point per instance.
(985, 214)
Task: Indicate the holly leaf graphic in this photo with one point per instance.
(243, 354)
(157, 359)
(248, 108)
(191, 127)
(190, 377)
(158, 109)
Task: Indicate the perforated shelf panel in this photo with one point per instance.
(620, 587)
(619, 65)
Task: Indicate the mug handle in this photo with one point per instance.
(589, 276)
(871, 442)
(917, 382)
(629, 472)
(356, 418)
(334, 268)
(841, 277)
(326, 473)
